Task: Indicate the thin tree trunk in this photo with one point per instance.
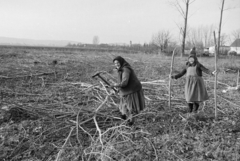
(238, 78)
(219, 29)
(185, 29)
(170, 80)
(215, 83)
(216, 56)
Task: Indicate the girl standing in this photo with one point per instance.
(130, 90)
(195, 90)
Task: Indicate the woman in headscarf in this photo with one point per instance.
(195, 90)
(130, 90)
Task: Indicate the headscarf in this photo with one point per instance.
(193, 51)
(123, 63)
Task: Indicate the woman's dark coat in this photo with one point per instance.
(128, 81)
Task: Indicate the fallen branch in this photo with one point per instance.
(97, 126)
(156, 82)
(27, 94)
(231, 89)
(32, 75)
(77, 124)
(64, 145)
(155, 151)
(229, 101)
(217, 82)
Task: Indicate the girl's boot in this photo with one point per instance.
(190, 106)
(196, 106)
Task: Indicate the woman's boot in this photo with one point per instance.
(130, 120)
(124, 117)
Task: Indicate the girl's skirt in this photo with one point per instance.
(195, 90)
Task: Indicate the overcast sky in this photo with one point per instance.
(113, 21)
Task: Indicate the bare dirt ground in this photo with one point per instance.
(51, 109)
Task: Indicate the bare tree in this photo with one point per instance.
(207, 32)
(195, 37)
(220, 27)
(236, 34)
(223, 39)
(182, 7)
(95, 40)
(202, 37)
(162, 39)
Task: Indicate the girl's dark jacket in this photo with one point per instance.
(128, 81)
(200, 68)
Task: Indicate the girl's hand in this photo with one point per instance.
(214, 72)
(171, 77)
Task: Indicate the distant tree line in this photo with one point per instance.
(163, 42)
(148, 48)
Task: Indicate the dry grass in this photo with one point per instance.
(67, 115)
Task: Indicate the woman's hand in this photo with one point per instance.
(114, 85)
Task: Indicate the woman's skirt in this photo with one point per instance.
(132, 103)
(195, 90)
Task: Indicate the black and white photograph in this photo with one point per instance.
(119, 80)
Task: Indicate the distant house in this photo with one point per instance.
(222, 50)
(235, 46)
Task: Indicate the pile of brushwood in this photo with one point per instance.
(46, 114)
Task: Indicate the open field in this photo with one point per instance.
(51, 109)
